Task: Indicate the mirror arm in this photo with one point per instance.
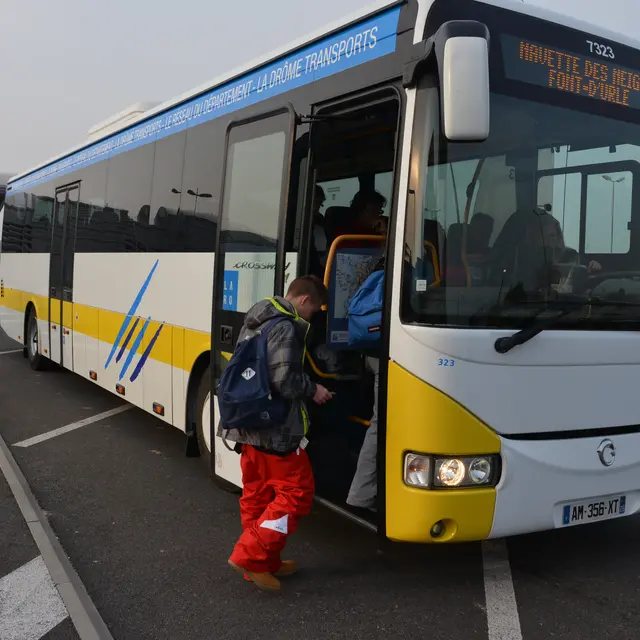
(418, 59)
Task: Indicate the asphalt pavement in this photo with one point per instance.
(30, 605)
(149, 535)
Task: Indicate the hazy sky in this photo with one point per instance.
(69, 64)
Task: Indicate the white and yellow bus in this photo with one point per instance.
(506, 141)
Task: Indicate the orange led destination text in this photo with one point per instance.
(571, 73)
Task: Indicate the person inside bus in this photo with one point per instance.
(542, 250)
(364, 486)
(365, 218)
(479, 234)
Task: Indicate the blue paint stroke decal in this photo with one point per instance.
(132, 311)
(369, 40)
(145, 355)
(134, 349)
(127, 340)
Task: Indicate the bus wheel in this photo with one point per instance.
(203, 418)
(37, 361)
(204, 407)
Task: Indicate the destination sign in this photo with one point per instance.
(546, 66)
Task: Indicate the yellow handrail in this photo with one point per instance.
(320, 374)
(334, 248)
(362, 421)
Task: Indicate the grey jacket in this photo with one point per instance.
(285, 352)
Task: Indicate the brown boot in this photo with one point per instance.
(264, 581)
(287, 568)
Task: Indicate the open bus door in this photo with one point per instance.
(353, 148)
(250, 253)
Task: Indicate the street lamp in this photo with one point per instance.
(196, 194)
(614, 182)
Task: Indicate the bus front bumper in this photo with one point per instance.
(549, 484)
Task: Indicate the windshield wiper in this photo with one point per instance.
(504, 345)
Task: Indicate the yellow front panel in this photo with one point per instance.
(422, 419)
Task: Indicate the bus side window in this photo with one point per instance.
(129, 182)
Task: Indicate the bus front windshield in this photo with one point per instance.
(545, 212)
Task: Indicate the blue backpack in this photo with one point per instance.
(245, 399)
(365, 312)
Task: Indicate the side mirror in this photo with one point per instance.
(465, 89)
(462, 50)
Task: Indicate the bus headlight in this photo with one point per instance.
(428, 472)
(480, 470)
(450, 473)
(476, 471)
(417, 470)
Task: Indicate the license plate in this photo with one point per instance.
(593, 510)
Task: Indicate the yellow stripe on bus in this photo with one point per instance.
(175, 346)
(422, 419)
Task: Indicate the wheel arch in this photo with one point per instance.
(199, 368)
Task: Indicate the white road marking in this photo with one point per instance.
(30, 605)
(71, 427)
(503, 621)
(5, 353)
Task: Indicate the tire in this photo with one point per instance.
(36, 360)
(203, 417)
(203, 413)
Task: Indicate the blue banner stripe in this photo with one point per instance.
(145, 355)
(134, 349)
(127, 340)
(357, 45)
(132, 311)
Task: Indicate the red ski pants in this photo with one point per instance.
(277, 492)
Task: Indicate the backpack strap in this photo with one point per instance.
(294, 316)
(283, 310)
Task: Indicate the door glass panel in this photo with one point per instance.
(55, 268)
(251, 213)
(69, 243)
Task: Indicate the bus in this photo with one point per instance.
(506, 142)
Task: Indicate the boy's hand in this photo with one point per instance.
(322, 395)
